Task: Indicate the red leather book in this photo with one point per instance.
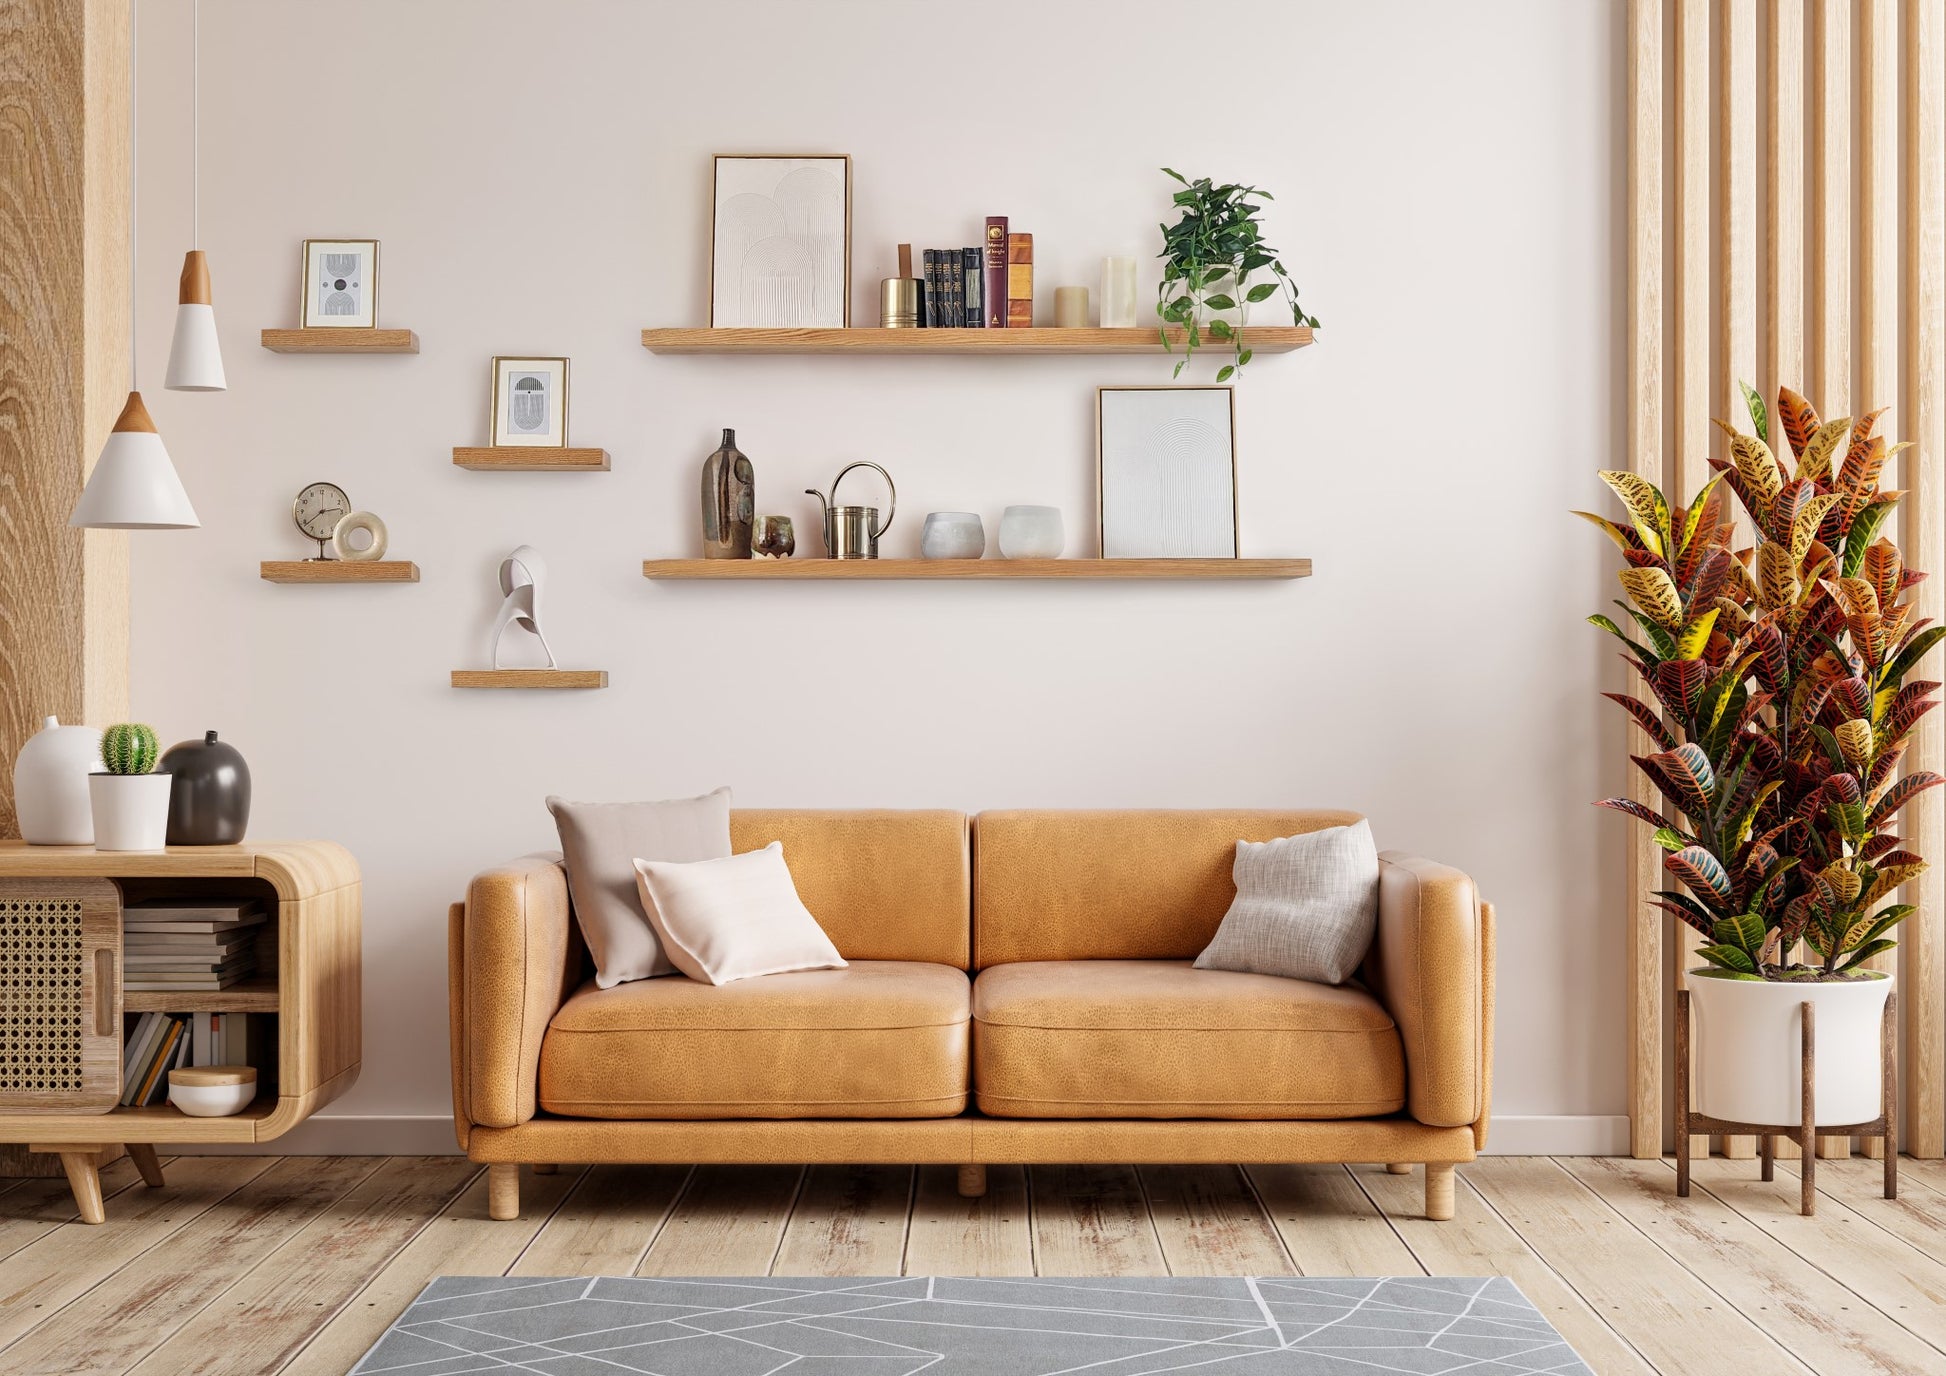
(1020, 281)
(994, 287)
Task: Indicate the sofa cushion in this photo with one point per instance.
(880, 1039)
(1161, 1039)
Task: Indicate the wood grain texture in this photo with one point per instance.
(1923, 525)
(1783, 199)
(950, 1235)
(605, 1226)
(530, 678)
(1262, 339)
(341, 341)
(514, 458)
(1210, 1223)
(729, 1222)
(1828, 120)
(1093, 1221)
(1646, 925)
(1328, 1226)
(257, 995)
(819, 570)
(64, 301)
(849, 1221)
(339, 571)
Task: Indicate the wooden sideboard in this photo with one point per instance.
(307, 984)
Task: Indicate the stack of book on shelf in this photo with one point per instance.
(988, 287)
(189, 944)
(162, 1042)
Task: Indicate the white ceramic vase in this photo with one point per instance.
(1032, 532)
(131, 811)
(953, 535)
(51, 784)
(1748, 1057)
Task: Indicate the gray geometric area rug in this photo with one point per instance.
(844, 1326)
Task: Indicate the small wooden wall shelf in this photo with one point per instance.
(349, 341)
(530, 678)
(1262, 339)
(339, 571)
(516, 458)
(815, 570)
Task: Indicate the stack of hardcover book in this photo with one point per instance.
(162, 1042)
(189, 944)
(988, 286)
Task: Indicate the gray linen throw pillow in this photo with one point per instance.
(601, 843)
(1306, 907)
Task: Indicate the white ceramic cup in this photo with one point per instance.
(953, 535)
(1032, 532)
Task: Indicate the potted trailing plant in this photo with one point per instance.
(1208, 258)
(1780, 706)
(130, 803)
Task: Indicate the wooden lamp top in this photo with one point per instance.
(194, 286)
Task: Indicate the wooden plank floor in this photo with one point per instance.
(246, 1266)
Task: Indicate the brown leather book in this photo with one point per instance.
(1020, 281)
(994, 287)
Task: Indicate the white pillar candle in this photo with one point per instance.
(1118, 293)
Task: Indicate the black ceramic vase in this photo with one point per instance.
(210, 802)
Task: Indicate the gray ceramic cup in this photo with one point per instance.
(953, 535)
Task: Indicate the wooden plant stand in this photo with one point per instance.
(1806, 1130)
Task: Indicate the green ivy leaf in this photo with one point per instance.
(1245, 357)
(1224, 373)
(1177, 175)
(1220, 329)
(1263, 291)
(1220, 302)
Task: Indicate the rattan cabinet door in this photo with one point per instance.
(60, 995)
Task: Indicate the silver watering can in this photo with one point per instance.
(851, 532)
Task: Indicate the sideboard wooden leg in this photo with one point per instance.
(1769, 1150)
(972, 1181)
(503, 1191)
(1439, 1190)
(1398, 1168)
(545, 1168)
(143, 1155)
(84, 1178)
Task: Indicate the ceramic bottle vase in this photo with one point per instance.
(210, 803)
(51, 785)
(729, 501)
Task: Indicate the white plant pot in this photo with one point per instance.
(1749, 1056)
(51, 785)
(131, 810)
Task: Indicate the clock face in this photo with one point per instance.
(319, 508)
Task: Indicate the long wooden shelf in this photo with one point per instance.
(341, 341)
(257, 995)
(534, 458)
(530, 678)
(1262, 339)
(815, 570)
(339, 571)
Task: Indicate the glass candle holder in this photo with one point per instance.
(1118, 293)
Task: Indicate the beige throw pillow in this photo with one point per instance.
(1306, 907)
(601, 841)
(723, 920)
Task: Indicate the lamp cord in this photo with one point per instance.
(134, 128)
(195, 121)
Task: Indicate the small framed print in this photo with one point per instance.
(1167, 472)
(340, 289)
(530, 402)
(780, 241)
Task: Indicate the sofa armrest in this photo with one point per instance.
(517, 961)
(1432, 967)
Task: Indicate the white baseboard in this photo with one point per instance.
(1596, 1134)
(432, 1135)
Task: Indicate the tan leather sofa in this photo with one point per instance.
(1020, 990)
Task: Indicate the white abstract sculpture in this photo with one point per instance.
(521, 576)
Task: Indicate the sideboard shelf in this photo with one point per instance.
(530, 458)
(341, 341)
(1141, 339)
(259, 995)
(339, 571)
(816, 570)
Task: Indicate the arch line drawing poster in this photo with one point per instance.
(780, 241)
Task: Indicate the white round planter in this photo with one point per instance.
(1749, 1057)
(51, 784)
(131, 811)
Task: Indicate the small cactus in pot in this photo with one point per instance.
(130, 801)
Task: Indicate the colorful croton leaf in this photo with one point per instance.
(1772, 686)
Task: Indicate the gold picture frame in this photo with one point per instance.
(819, 311)
(502, 431)
(364, 318)
(1136, 541)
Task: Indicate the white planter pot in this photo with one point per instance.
(1749, 1056)
(51, 784)
(131, 810)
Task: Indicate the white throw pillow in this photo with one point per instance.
(1306, 907)
(723, 920)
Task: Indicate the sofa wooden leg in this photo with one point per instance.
(972, 1181)
(1398, 1168)
(503, 1191)
(143, 1155)
(545, 1168)
(1439, 1190)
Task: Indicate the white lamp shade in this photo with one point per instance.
(195, 359)
(134, 486)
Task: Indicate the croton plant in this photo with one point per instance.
(1780, 670)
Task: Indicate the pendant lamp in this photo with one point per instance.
(195, 359)
(133, 486)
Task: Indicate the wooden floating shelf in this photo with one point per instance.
(1262, 339)
(815, 570)
(530, 678)
(516, 458)
(345, 341)
(248, 996)
(339, 571)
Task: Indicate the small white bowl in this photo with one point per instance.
(213, 1091)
